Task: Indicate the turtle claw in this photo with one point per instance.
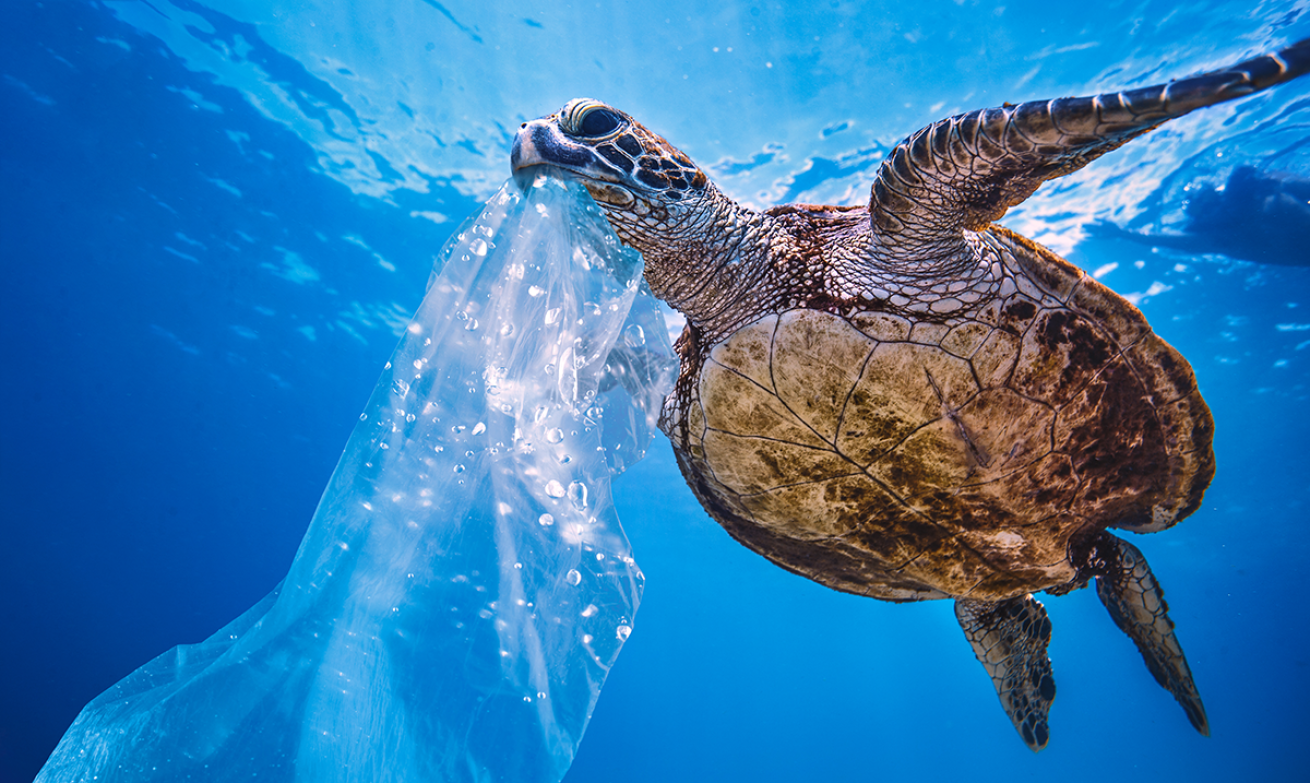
(1010, 638)
(1134, 599)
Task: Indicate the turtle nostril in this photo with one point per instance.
(522, 125)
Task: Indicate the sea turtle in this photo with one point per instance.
(909, 402)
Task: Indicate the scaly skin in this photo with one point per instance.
(908, 402)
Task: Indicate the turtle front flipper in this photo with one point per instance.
(1134, 599)
(964, 172)
(1010, 638)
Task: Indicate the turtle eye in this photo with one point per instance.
(598, 122)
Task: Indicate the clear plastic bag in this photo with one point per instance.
(464, 586)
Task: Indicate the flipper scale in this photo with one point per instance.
(1010, 639)
(964, 172)
(1136, 602)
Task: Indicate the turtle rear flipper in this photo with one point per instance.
(1010, 637)
(1134, 599)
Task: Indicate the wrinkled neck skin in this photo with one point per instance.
(707, 257)
(724, 266)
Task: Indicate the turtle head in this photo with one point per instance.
(693, 238)
(629, 170)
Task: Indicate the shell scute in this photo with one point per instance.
(1112, 433)
(930, 459)
(1103, 306)
(816, 362)
(1030, 286)
(749, 350)
(1188, 426)
(995, 358)
(1004, 430)
(1086, 426)
(1167, 377)
(898, 538)
(750, 465)
(964, 339)
(1036, 554)
(950, 565)
(902, 387)
(1037, 490)
(733, 403)
(883, 327)
(833, 507)
(928, 333)
(1060, 353)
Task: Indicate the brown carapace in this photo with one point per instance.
(908, 402)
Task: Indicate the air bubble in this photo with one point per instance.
(460, 468)
(573, 577)
(546, 520)
(634, 336)
(623, 632)
(535, 290)
(554, 435)
(578, 494)
(554, 489)
(478, 247)
(472, 325)
(479, 428)
(552, 315)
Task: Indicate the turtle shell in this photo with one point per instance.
(905, 459)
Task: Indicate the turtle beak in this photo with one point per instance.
(524, 152)
(541, 143)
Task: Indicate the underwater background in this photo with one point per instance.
(217, 217)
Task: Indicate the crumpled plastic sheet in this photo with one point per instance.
(464, 586)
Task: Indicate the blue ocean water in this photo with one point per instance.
(218, 216)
